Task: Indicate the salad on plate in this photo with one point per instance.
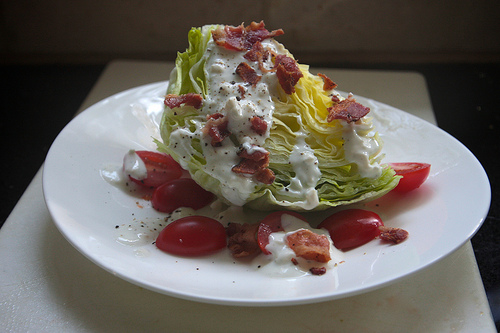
(246, 125)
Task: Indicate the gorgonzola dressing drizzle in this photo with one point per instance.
(224, 96)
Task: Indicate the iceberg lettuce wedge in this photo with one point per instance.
(317, 163)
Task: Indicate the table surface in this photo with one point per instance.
(45, 283)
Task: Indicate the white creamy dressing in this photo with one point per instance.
(358, 148)
(221, 66)
(118, 175)
(307, 174)
(134, 166)
(224, 96)
(279, 262)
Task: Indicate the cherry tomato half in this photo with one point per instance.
(272, 223)
(414, 174)
(192, 236)
(161, 168)
(352, 227)
(182, 192)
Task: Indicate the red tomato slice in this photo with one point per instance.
(182, 192)
(272, 223)
(192, 236)
(161, 168)
(352, 227)
(414, 175)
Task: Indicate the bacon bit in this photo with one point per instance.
(241, 89)
(215, 116)
(257, 53)
(328, 84)
(288, 73)
(309, 245)
(257, 155)
(216, 128)
(249, 166)
(259, 126)
(392, 235)
(265, 176)
(294, 261)
(242, 239)
(256, 164)
(348, 110)
(175, 101)
(243, 38)
(318, 270)
(335, 98)
(248, 74)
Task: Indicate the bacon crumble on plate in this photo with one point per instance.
(242, 240)
(318, 270)
(393, 235)
(309, 245)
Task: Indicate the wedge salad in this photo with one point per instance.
(246, 126)
(256, 128)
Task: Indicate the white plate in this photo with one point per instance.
(440, 216)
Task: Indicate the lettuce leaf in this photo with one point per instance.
(188, 75)
(340, 181)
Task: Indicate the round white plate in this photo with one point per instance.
(93, 214)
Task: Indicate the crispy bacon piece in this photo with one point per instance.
(318, 270)
(288, 73)
(392, 235)
(242, 239)
(259, 126)
(258, 53)
(248, 74)
(246, 166)
(241, 89)
(328, 84)
(256, 155)
(309, 245)
(265, 176)
(348, 110)
(175, 101)
(256, 164)
(216, 128)
(250, 166)
(243, 38)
